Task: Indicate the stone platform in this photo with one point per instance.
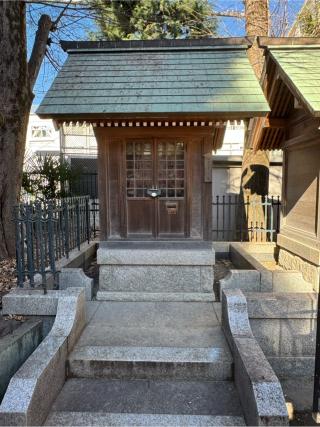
(156, 270)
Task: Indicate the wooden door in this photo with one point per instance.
(170, 179)
(156, 188)
(140, 165)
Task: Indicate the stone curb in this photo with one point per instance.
(15, 348)
(246, 280)
(75, 277)
(259, 389)
(270, 280)
(30, 302)
(287, 305)
(35, 386)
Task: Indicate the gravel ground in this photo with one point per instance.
(93, 272)
(7, 276)
(303, 419)
(8, 281)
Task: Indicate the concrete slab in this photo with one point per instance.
(153, 324)
(156, 397)
(161, 420)
(91, 308)
(148, 314)
(152, 337)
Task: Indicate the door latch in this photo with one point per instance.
(154, 192)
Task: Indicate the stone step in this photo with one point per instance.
(144, 402)
(156, 278)
(161, 420)
(211, 363)
(155, 296)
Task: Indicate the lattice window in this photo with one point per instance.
(41, 131)
(139, 168)
(171, 169)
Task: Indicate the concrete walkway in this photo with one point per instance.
(150, 363)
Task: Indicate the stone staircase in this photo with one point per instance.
(150, 363)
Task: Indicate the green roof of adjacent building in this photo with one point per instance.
(300, 69)
(196, 77)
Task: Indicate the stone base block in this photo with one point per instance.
(156, 278)
(310, 272)
(158, 266)
(156, 296)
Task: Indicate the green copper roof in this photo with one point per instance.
(300, 69)
(146, 78)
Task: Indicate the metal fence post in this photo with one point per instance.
(88, 220)
(29, 242)
(19, 246)
(78, 223)
(39, 220)
(65, 210)
(51, 240)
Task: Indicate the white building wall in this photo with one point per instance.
(226, 174)
(41, 136)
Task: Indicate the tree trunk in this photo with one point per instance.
(255, 164)
(17, 79)
(15, 105)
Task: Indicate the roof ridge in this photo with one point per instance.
(157, 44)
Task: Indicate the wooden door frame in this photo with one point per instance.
(154, 141)
(192, 136)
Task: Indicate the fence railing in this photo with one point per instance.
(46, 232)
(230, 213)
(86, 184)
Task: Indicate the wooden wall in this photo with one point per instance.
(300, 190)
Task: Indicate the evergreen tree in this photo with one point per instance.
(153, 19)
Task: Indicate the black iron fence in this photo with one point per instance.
(230, 213)
(94, 216)
(86, 184)
(46, 232)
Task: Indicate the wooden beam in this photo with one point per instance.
(274, 122)
(144, 45)
(288, 41)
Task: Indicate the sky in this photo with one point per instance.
(76, 26)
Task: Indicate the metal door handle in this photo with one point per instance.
(154, 192)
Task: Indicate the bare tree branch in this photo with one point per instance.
(56, 22)
(45, 25)
(229, 14)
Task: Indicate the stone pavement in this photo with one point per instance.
(150, 363)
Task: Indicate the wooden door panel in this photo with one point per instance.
(170, 157)
(140, 220)
(171, 218)
(139, 178)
